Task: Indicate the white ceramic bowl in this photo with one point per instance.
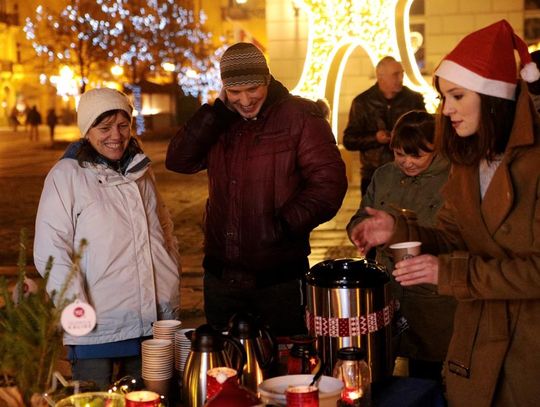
(273, 390)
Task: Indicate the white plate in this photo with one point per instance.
(273, 390)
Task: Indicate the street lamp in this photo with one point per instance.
(117, 70)
(171, 68)
(168, 66)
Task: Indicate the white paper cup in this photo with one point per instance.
(160, 386)
(165, 329)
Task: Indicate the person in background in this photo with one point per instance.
(412, 182)
(25, 115)
(14, 118)
(373, 114)
(324, 106)
(274, 173)
(103, 190)
(52, 120)
(484, 250)
(33, 119)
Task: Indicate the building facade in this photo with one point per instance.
(9, 56)
(281, 28)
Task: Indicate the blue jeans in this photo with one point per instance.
(105, 371)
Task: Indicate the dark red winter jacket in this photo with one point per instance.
(271, 181)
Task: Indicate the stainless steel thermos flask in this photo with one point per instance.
(207, 351)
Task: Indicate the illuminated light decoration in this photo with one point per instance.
(414, 78)
(338, 27)
(65, 83)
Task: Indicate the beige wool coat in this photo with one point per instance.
(489, 259)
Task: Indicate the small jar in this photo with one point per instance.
(303, 358)
(351, 368)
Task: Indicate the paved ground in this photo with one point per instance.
(24, 165)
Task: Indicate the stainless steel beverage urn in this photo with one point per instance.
(349, 304)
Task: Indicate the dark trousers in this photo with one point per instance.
(423, 369)
(280, 306)
(104, 371)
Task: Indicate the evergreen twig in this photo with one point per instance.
(30, 333)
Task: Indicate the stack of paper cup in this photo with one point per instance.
(165, 329)
(157, 364)
(182, 347)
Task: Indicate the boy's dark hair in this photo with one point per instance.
(414, 132)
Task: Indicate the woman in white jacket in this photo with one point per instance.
(103, 190)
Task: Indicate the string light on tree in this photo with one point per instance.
(203, 78)
(88, 36)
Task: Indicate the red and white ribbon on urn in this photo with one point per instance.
(353, 326)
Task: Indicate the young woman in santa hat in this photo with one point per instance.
(485, 250)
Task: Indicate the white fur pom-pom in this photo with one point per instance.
(221, 377)
(530, 72)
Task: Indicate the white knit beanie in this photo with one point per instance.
(97, 101)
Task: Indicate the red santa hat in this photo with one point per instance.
(484, 62)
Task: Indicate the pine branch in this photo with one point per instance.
(30, 334)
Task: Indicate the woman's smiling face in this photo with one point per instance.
(111, 136)
(461, 106)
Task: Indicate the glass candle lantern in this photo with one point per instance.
(352, 369)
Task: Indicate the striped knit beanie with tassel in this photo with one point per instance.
(244, 64)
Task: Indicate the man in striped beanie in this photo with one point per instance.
(243, 64)
(274, 174)
(243, 67)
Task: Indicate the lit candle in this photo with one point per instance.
(351, 397)
(142, 398)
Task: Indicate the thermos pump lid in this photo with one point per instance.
(347, 273)
(205, 339)
(243, 326)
